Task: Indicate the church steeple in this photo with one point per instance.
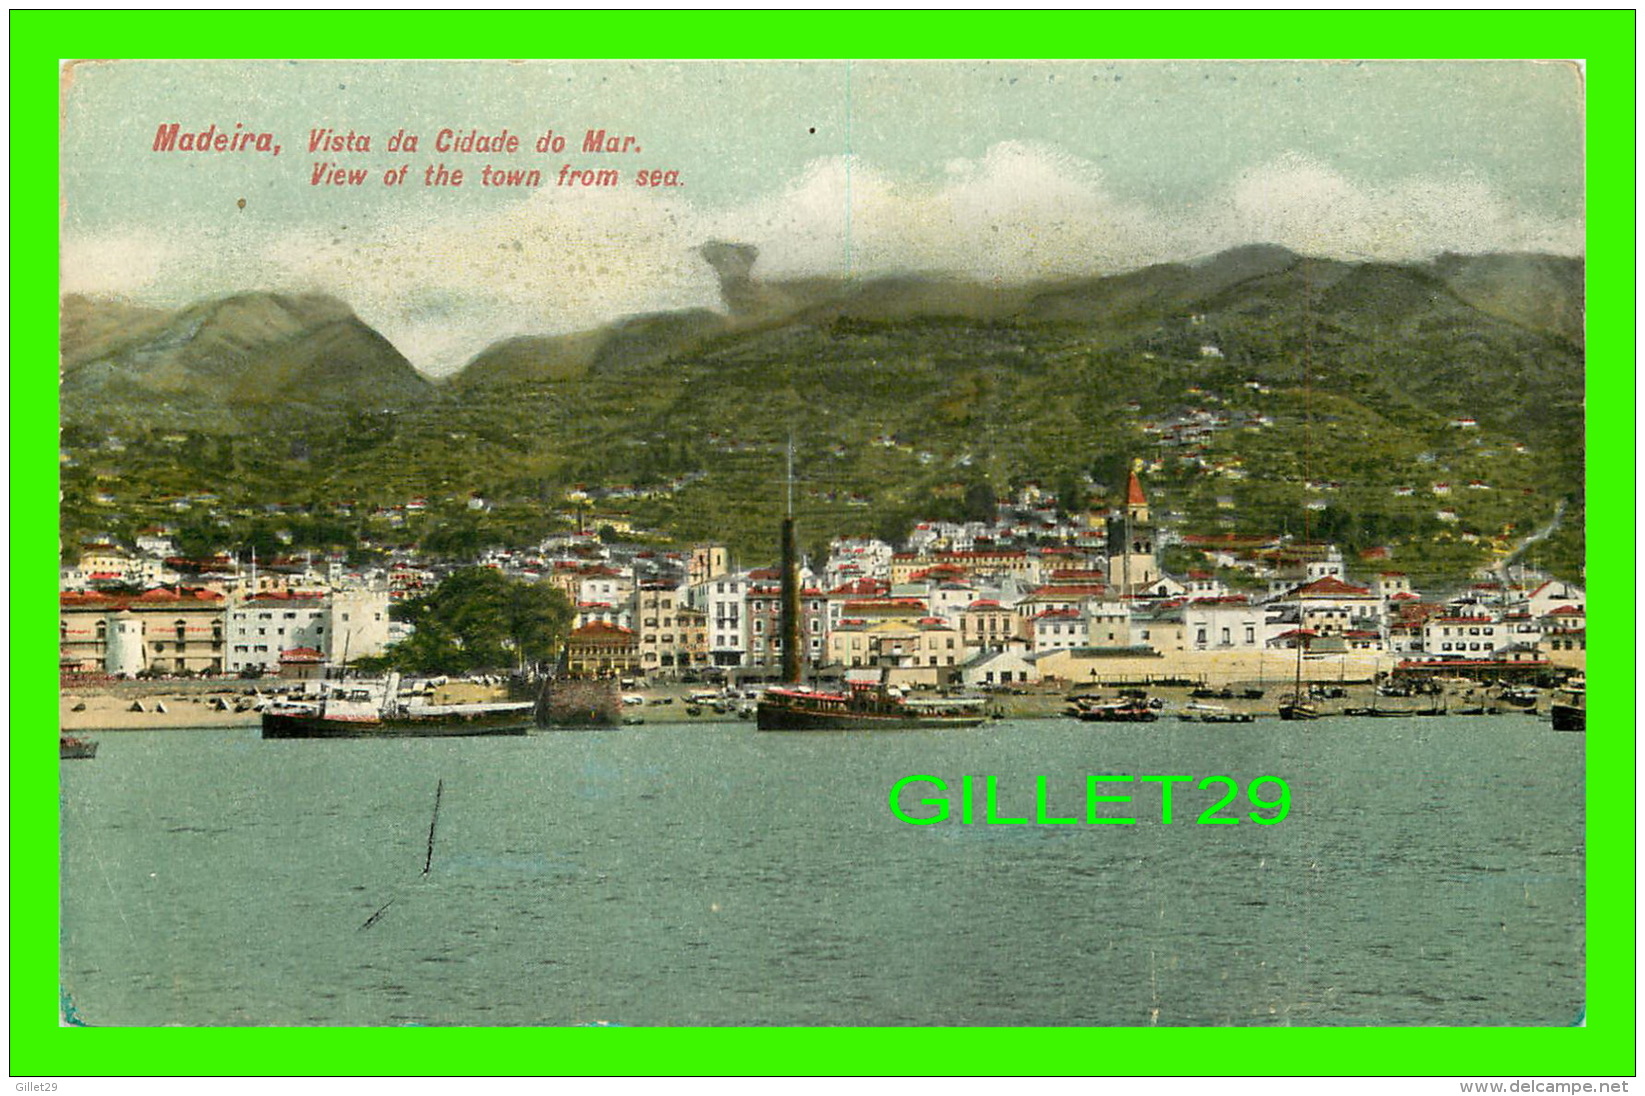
(1131, 562)
(1136, 503)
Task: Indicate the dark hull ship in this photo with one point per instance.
(1569, 709)
(862, 707)
(370, 710)
(796, 708)
(455, 720)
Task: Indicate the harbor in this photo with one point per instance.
(211, 705)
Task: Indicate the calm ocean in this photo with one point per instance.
(1430, 872)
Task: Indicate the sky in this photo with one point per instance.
(998, 171)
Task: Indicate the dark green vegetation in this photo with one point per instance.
(906, 399)
(480, 620)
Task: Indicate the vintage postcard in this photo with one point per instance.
(837, 543)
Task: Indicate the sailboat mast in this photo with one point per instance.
(1302, 637)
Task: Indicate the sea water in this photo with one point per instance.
(1428, 871)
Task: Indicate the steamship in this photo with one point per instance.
(376, 710)
(864, 705)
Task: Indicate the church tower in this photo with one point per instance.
(1131, 562)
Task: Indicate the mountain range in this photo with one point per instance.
(1366, 364)
(258, 354)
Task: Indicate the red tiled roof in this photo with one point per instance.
(1133, 492)
(1329, 586)
(284, 595)
(301, 654)
(1047, 592)
(881, 605)
(156, 596)
(860, 586)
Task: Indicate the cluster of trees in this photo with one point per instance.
(480, 620)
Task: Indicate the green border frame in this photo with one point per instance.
(1605, 1047)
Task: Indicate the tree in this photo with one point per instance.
(480, 619)
(980, 503)
(197, 539)
(1071, 495)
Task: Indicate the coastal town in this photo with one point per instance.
(823, 544)
(972, 606)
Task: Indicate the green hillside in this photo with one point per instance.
(1311, 382)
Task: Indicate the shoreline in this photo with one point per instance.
(106, 708)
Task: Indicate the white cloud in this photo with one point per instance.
(116, 264)
(1311, 208)
(1020, 212)
(442, 287)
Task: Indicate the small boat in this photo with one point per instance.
(1520, 696)
(74, 748)
(1570, 707)
(1213, 713)
(1118, 711)
(1298, 707)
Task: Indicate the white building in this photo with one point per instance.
(949, 599)
(343, 626)
(1225, 624)
(1465, 636)
(1060, 629)
(722, 601)
(999, 668)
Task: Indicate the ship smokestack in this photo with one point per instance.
(791, 604)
